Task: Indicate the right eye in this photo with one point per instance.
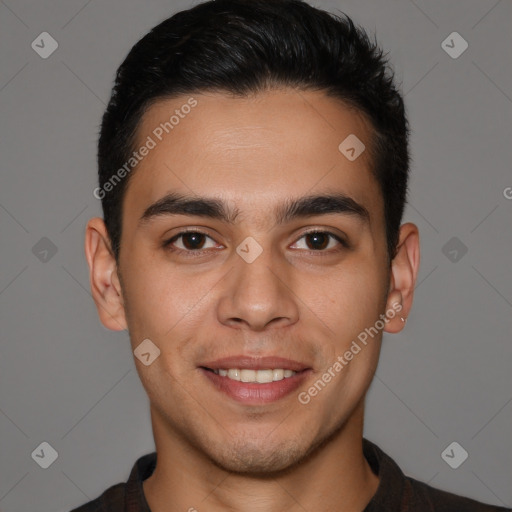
(187, 242)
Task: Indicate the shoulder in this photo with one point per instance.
(112, 500)
(117, 497)
(419, 495)
(401, 493)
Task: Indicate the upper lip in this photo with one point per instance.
(255, 363)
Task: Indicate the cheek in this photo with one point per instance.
(162, 302)
(349, 302)
(351, 308)
(152, 299)
(350, 299)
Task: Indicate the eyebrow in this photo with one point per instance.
(290, 209)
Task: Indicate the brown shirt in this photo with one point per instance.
(396, 492)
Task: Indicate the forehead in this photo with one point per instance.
(254, 151)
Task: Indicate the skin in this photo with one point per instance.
(254, 153)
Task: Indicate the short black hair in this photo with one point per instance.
(242, 47)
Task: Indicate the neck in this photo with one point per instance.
(337, 471)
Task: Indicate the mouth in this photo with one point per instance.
(254, 376)
(255, 381)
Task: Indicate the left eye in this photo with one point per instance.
(321, 240)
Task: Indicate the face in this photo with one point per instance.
(240, 282)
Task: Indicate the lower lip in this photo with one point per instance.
(251, 393)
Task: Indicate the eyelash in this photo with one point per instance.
(199, 252)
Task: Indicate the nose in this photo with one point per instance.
(258, 295)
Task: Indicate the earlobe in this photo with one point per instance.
(103, 276)
(404, 271)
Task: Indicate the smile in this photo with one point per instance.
(255, 376)
(255, 387)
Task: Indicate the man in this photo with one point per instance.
(253, 167)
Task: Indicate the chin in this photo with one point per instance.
(259, 459)
(257, 455)
(269, 456)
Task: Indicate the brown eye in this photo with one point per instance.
(319, 241)
(193, 240)
(188, 241)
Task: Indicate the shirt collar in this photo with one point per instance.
(387, 497)
(135, 501)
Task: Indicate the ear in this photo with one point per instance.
(103, 276)
(404, 271)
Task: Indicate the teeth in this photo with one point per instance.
(260, 376)
(233, 374)
(263, 376)
(248, 376)
(278, 374)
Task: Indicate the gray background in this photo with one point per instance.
(66, 380)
